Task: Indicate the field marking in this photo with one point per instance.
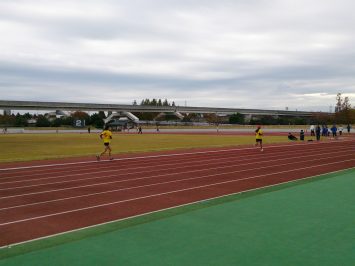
(156, 176)
(148, 185)
(169, 155)
(169, 192)
(170, 208)
(146, 164)
(116, 167)
(228, 158)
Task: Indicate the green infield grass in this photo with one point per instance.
(26, 147)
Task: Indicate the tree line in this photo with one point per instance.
(42, 120)
(155, 102)
(344, 114)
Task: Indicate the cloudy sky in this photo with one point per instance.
(229, 53)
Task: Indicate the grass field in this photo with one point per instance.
(26, 147)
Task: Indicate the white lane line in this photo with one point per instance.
(170, 208)
(107, 167)
(138, 167)
(154, 184)
(185, 165)
(117, 167)
(166, 193)
(149, 177)
(170, 155)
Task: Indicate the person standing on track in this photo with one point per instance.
(334, 131)
(106, 136)
(302, 135)
(259, 138)
(312, 130)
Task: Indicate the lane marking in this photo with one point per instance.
(170, 208)
(170, 155)
(143, 178)
(229, 160)
(117, 167)
(149, 185)
(169, 192)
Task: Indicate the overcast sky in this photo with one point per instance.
(265, 54)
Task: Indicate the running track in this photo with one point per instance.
(42, 200)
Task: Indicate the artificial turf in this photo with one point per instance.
(307, 222)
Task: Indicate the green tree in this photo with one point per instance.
(67, 120)
(102, 114)
(20, 121)
(57, 122)
(97, 120)
(42, 121)
(343, 110)
(339, 102)
(236, 118)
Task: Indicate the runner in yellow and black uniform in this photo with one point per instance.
(259, 137)
(106, 136)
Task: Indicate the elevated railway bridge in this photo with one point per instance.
(127, 110)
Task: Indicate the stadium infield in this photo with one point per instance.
(53, 199)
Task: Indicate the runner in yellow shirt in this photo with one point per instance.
(259, 138)
(106, 136)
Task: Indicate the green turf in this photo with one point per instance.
(310, 222)
(26, 147)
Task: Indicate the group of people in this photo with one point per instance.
(106, 136)
(324, 131)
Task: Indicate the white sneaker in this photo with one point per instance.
(262, 150)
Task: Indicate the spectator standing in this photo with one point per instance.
(324, 131)
(348, 128)
(312, 130)
(334, 131)
(340, 130)
(302, 135)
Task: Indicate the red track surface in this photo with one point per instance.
(47, 199)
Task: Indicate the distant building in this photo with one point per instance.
(32, 121)
(7, 112)
(57, 114)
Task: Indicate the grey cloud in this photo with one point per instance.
(206, 51)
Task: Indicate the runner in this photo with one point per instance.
(106, 136)
(259, 138)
